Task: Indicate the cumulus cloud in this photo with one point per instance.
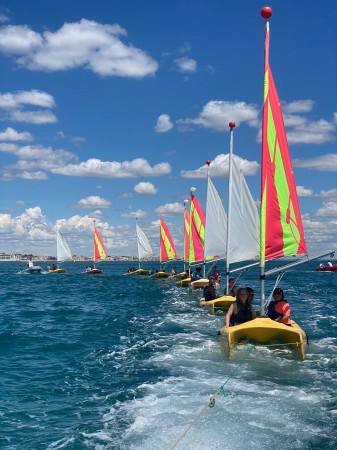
(145, 188)
(14, 105)
(12, 135)
(139, 214)
(217, 114)
(105, 169)
(329, 209)
(304, 192)
(170, 209)
(298, 106)
(87, 44)
(186, 65)
(163, 124)
(328, 193)
(93, 202)
(324, 163)
(219, 168)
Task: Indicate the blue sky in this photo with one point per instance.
(109, 110)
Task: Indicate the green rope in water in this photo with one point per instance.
(211, 403)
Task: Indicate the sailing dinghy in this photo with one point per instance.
(281, 230)
(63, 252)
(144, 251)
(167, 251)
(100, 253)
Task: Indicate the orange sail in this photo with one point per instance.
(167, 249)
(99, 248)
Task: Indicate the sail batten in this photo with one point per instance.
(144, 247)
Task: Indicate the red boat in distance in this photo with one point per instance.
(330, 267)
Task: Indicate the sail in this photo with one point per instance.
(186, 233)
(244, 241)
(144, 247)
(166, 245)
(197, 231)
(216, 224)
(99, 248)
(281, 224)
(62, 248)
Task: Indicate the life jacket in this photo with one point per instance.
(275, 309)
(209, 292)
(243, 315)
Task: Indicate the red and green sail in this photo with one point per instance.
(197, 231)
(281, 224)
(186, 234)
(166, 245)
(99, 248)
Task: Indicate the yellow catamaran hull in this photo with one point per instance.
(223, 302)
(160, 275)
(199, 284)
(57, 271)
(138, 272)
(184, 282)
(266, 331)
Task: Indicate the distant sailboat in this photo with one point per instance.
(167, 251)
(63, 252)
(144, 251)
(100, 253)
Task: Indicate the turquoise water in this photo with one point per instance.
(122, 362)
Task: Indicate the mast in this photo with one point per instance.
(137, 245)
(94, 258)
(229, 211)
(185, 237)
(208, 162)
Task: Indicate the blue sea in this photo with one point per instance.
(125, 362)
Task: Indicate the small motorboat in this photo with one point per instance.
(329, 268)
(92, 271)
(32, 270)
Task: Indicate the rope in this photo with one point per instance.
(211, 402)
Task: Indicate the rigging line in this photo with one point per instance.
(211, 402)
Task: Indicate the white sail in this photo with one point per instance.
(245, 229)
(62, 248)
(216, 224)
(144, 247)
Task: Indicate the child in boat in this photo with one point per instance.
(197, 274)
(279, 308)
(210, 292)
(232, 290)
(241, 310)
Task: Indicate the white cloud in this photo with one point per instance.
(105, 169)
(93, 202)
(217, 114)
(163, 124)
(298, 106)
(219, 168)
(145, 188)
(12, 135)
(25, 175)
(329, 193)
(139, 214)
(88, 44)
(186, 65)
(304, 192)
(324, 163)
(329, 209)
(33, 97)
(170, 208)
(35, 117)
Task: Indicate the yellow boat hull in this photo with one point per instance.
(57, 271)
(160, 275)
(266, 331)
(138, 272)
(223, 302)
(184, 282)
(199, 284)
